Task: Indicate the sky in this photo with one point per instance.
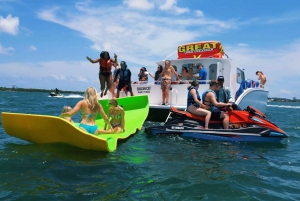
(44, 43)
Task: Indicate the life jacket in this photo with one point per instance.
(124, 74)
(190, 99)
(212, 107)
(105, 65)
(226, 100)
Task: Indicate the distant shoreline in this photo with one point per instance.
(38, 90)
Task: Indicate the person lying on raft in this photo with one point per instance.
(116, 113)
(89, 108)
(194, 104)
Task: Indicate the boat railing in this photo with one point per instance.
(176, 98)
(172, 82)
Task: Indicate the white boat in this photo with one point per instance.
(211, 55)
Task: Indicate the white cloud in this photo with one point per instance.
(9, 24)
(139, 4)
(5, 50)
(280, 67)
(134, 35)
(170, 5)
(242, 44)
(199, 13)
(32, 48)
(285, 91)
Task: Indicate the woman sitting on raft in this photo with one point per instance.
(194, 104)
(89, 108)
(116, 113)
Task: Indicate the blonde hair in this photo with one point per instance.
(66, 109)
(90, 97)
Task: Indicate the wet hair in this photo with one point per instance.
(66, 109)
(103, 53)
(258, 72)
(123, 62)
(114, 101)
(213, 82)
(185, 69)
(144, 68)
(90, 96)
(194, 83)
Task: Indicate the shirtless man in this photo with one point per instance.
(166, 75)
(262, 78)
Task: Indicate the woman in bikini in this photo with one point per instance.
(262, 78)
(89, 108)
(116, 113)
(105, 63)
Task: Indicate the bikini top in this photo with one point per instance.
(89, 117)
(116, 116)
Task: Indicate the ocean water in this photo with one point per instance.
(145, 167)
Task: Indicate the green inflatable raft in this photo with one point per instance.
(50, 129)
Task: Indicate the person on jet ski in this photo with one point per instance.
(194, 104)
(56, 91)
(224, 95)
(209, 98)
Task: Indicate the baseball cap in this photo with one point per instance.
(220, 78)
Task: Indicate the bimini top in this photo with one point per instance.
(204, 49)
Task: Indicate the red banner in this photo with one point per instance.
(207, 49)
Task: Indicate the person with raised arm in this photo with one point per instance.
(105, 63)
(89, 108)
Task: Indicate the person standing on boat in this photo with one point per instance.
(143, 75)
(156, 75)
(185, 75)
(89, 108)
(194, 104)
(124, 75)
(166, 75)
(202, 74)
(262, 78)
(105, 63)
(209, 99)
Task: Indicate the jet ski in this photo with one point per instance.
(249, 125)
(55, 94)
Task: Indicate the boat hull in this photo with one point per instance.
(214, 135)
(41, 129)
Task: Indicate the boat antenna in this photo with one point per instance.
(170, 54)
(227, 56)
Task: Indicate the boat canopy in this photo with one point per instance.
(206, 49)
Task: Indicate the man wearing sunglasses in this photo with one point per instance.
(209, 99)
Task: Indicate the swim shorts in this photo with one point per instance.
(165, 84)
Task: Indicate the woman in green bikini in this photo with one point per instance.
(89, 108)
(116, 113)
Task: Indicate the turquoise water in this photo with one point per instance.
(145, 167)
